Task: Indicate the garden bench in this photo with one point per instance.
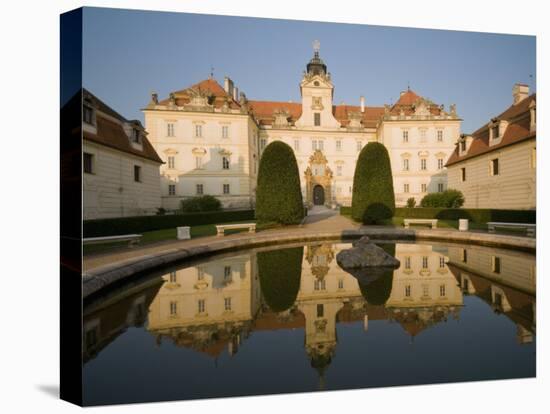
(132, 239)
(531, 228)
(221, 228)
(408, 222)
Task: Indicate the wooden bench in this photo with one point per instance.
(132, 239)
(408, 222)
(221, 228)
(531, 228)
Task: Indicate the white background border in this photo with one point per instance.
(29, 310)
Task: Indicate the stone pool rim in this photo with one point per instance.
(100, 278)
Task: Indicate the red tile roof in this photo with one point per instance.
(407, 102)
(111, 133)
(518, 130)
(209, 87)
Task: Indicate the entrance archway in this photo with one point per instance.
(318, 195)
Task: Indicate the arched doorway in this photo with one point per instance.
(318, 195)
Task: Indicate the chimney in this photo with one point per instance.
(228, 86)
(362, 99)
(520, 92)
(236, 93)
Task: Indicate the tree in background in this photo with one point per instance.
(373, 198)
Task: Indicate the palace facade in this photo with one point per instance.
(211, 139)
(495, 167)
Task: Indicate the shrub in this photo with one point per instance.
(411, 202)
(161, 211)
(280, 272)
(200, 203)
(373, 199)
(449, 199)
(278, 194)
(140, 224)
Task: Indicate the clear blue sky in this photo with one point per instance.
(128, 54)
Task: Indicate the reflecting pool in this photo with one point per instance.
(279, 320)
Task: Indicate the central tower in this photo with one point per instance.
(317, 93)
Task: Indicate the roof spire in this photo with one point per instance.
(211, 72)
(408, 86)
(316, 47)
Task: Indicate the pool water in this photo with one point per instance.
(289, 319)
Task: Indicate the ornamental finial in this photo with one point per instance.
(316, 47)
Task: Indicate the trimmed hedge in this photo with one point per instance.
(449, 199)
(373, 198)
(278, 194)
(280, 272)
(200, 203)
(479, 215)
(140, 224)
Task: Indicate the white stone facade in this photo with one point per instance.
(196, 127)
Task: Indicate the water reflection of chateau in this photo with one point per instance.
(215, 306)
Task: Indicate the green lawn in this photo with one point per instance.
(162, 235)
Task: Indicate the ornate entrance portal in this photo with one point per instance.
(318, 180)
(318, 195)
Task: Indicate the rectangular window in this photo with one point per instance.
(338, 145)
(463, 174)
(136, 136)
(440, 163)
(338, 170)
(200, 273)
(263, 144)
(201, 304)
(423, 164)
(462, 146)
(423, 187)
(296, 145)
(227, 304)
(405, 188)
(442, 290)
(441, 261)
(317, 119)
(496, 264)
(199, 188)
(227, 272)
(407, 262)
(464, 255)
(226, 188)
(341, 284)
(88, 115)
(439, 135)
(173, 308)
(494, 167)
(425, 290)
(198, 163)
(171, 162)
(171, 189)
(359, 146)
(88, 161)
(424, 262)
(405, 136)
(321, 145)
(173, 277)
(225, 163)
(440, 187)
(408, 291)
(170, 129)
(405, 164)
(198, 131)
(137, 173)
(495, 131)
(319, 284)
(225, 131)
(320, 310)
(314, 145)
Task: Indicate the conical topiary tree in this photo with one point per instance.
(280, 272)
(278, 194)
(373, 199)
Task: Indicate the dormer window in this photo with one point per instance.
(136, 136)
(494, 131)
(463, 146)
(88, 114)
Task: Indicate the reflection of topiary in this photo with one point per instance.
(278, 194)
(373, 198)
(280, 272)
(378, 291)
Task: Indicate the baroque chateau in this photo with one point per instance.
(211, 138)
